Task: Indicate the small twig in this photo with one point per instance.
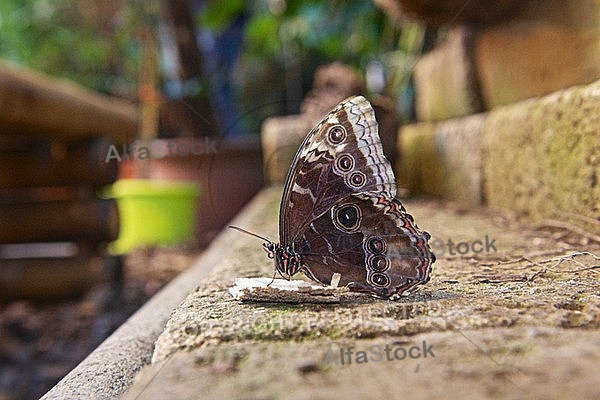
(556, 260)
(571, 257)
(500, 278)
(581, 217)
(569, 227)
(516, 260)
(537, 274)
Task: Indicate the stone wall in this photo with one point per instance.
(509, 113)
(550, 45)
(539, 158)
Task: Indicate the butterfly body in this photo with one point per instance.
(339, 213)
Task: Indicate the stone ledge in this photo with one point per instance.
(539, 158)
(297, 370)
(110, 369)
(443, 160)
(489, 331)
(473, 294)
(542, 157)
(499, 322)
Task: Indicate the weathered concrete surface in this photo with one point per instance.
(539, 158)
(443, 160)
(519, 322)
(542, 157)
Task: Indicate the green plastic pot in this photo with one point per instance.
(153, 213)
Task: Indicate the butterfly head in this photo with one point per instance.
(287, 261)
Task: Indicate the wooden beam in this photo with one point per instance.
(36, 104)
(57, 164)
(49, 278)
(55, 221)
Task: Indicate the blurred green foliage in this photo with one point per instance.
(352, 31)
(90, 42)
(286, 40)
(96, 43)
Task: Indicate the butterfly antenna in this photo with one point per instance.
(260, 237)
(248, 233)
(273, 280)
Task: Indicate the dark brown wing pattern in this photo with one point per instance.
(342, 155)
(338, 212)
(371, 241)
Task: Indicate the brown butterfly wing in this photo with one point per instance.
(338, 212)
(342, 155)
(372, 242)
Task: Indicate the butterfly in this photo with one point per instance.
(339, 214)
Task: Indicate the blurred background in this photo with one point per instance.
(80, 76)
(93, 221)
(240, 50)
